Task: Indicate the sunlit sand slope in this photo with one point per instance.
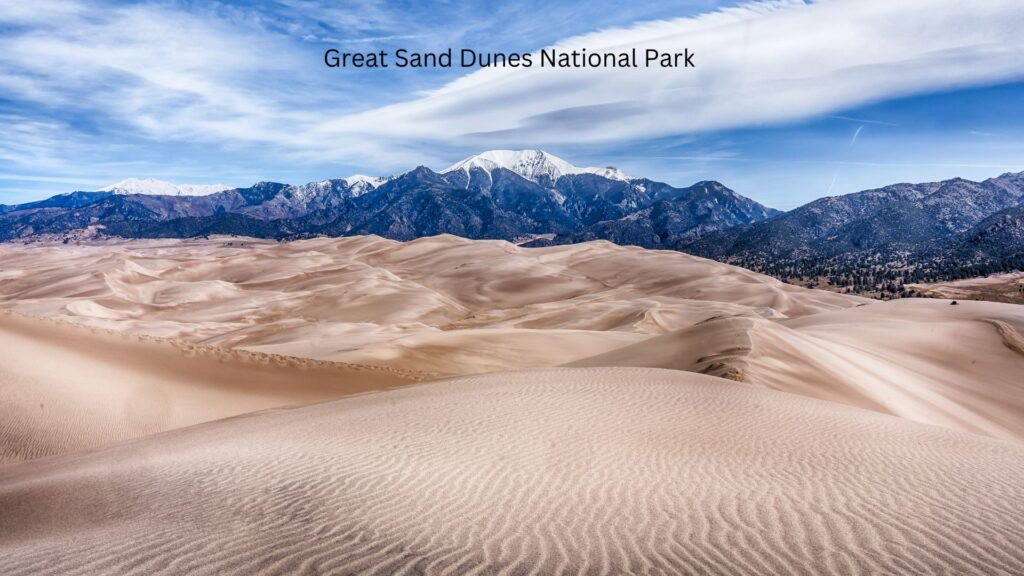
(926, 360)
(65, 388)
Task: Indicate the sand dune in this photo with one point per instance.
(432, 307)
(1008, 287)
(603, 471)
(367, 299)
(470, 351)
(796, 432)
(65, 388)
(450, 306)
(955, 366)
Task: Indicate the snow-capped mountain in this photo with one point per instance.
(162, 188)
(360, 184)
(535, 165)
(497, 194)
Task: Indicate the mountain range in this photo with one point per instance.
(901, 233)
(501, 194)
(867, 241)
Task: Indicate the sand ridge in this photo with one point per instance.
(65, 387)
(602, 471)
(1010, 335)
(921, 359)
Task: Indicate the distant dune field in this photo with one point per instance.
(1007, 287)
(367, 299)
(449, 306)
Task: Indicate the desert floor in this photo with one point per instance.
(1007, 287)
(447, 406)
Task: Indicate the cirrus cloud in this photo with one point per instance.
(761, 63)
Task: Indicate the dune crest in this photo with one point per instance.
(924, 360)
(65, 387)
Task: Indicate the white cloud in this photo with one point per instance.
(152, 73)
(162, 72)
(767, 62)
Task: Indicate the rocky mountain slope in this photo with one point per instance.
(677, 216)
(879, 239)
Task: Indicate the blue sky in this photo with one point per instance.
(790, 101)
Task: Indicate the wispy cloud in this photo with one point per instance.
(234, 77)
(832, 185)
(766, 62)
(856, 133)
(700, 158)
(48, 179)
(160, 72)
(863, 121)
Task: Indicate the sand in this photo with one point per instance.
(1007, 287)
(925, 360)
(411, 305)
(234, 406)
(65, 388)
(446, 306)
(565, 471)
(175, 333)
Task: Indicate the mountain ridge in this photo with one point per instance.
(878, 239)
(535, 165)
(500, 194)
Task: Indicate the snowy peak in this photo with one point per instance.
(610, 172)
(159, 187)
(530, 164)
(364, 179)
(361, 184)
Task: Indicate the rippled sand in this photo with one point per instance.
(593, 471)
